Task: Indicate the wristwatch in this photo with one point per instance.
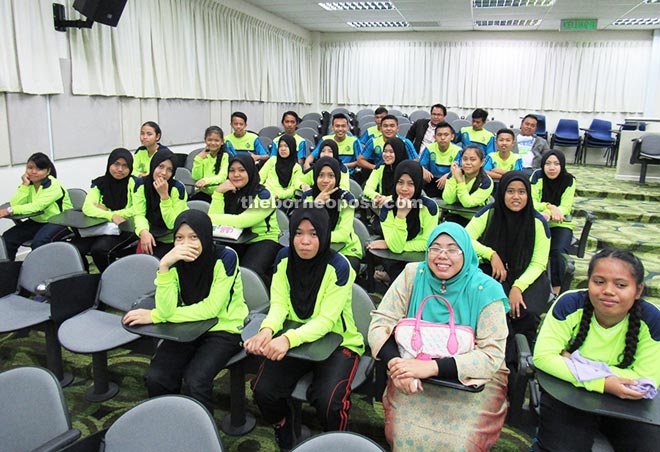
(10, 210)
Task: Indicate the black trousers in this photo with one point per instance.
(560, 241)
(566, 429)
(431, 189)
(39, 233)
(329, 392)
(101, 247)
(197, 363)
(260, 257)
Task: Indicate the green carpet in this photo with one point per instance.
(127, 368)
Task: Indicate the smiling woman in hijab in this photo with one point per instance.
(423, 416)
(196, 280)
(158, 199)
(281, 175)
(406, 220)
(340, 205)
(242, 202)
(380, 186)
(312, 285)
(553, 189)
(111, 198)
(513, 242)
(328, 148)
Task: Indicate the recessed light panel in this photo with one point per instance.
(511, 3)
(378, 24)
(638, 21)
(356, 6)
(508, 23)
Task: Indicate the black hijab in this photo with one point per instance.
(333, 145)
(236, 203)
(512, 234)
(553, 189)
(196, 277)
(306, 275)
(150, 194)
(115, 192)
(334, 204)
(387, 182)
(414, 170)
(284, 166)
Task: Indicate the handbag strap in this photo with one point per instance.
(452, 341)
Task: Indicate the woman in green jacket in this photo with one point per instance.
(312, 285)
(281, 175)
(196, 280)
(379, 188)
(39, 191)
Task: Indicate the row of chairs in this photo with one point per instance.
(35, 417)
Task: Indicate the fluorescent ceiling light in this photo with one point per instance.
(650, 2)
(379, 24)
(511, 3)
(356, 6)
(638, 21)
(508, 23)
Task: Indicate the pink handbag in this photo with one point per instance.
(425, 340)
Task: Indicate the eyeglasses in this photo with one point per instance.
(436, 251)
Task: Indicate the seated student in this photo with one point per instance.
(327, 148)
(150, 135)
(503, 159)
(157, 201)
(196, 280)
(422, 131)
(111, 198)
(529, 146)
(468, 185)
(242, 202)
(407, 220)
(211, 164)
(39, 191)
(428, 417)
(372, 155)
(349, 146)
(436, 159)
(340, 205)
(553, 189)
(244, 141)
(322, 302)
(612, 328)
(290, 121)
(282, 175)
(513, 242)
(476, 134)
(380, 185)
(374, 131)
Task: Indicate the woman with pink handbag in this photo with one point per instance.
(454, 297)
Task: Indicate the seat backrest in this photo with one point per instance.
(190, 160)
(198, 204)
(3, 249)
(650, 144)
(282, 220)
(395, 112)
(419, 114)
(567, 128)
(584, 235)
(404, 128)
(314, 125)
(458, 124)
(348, 441)
(364, 112)
(77, 196)
(601, 125)
(254, 290)
(49, 261)
(318, 117)
(365, 119)
(164, 424)
(540, 124)
(403, 120)
(364, 127)
(362, 232)
(184, 176)
(355, 189)
(270, 131)
(266, 141)
(362, 307)
(494, 126)
(341, 110)
(308, 133)
(127, 280)
(450, 117)
(33, 409)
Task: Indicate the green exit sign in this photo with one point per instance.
(578, 24)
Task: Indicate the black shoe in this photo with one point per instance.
(285, 436)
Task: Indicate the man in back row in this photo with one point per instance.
(422, 132)
(349, 146)
(529, 146)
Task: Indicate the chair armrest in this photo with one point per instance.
(455, 384)
(43, 287)
(90, 443)
(59, 441)
(10, 270)
(71, 295)
(525, 362)
(145, 302)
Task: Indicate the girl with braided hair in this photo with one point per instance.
(607, 323)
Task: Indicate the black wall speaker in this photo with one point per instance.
(106, 12)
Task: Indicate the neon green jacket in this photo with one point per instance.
(204, 168)
(169, 208)
(566, 204)
(395, 230)
(51, 197)
(259, 217)
(269, 178)
(94, 196)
